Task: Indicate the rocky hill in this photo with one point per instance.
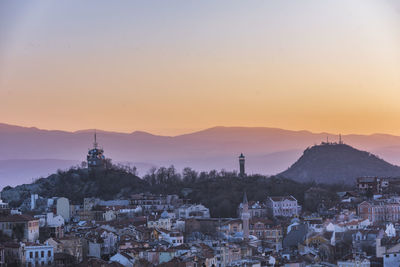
(76, 184)
(333, 163)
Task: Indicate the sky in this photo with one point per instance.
(172, 67)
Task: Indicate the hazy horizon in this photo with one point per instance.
(175, 67)
(190, 131)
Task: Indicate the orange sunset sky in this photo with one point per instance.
(171, 67)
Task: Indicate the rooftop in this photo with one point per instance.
(17, 218)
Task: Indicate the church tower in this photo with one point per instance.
(245, 218)
(242, 172)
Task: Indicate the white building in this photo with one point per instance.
(34, 198)
(283, 206)
(175, 238)
(54, 221)
(162, 222)
(192, 211)
(63, 208)
(3, 205)
(110, 215)
(37, 254)
(50, 220)
(391, 259)
(354, 263)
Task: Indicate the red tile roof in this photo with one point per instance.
(17, 218)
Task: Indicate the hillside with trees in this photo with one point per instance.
(221, 191)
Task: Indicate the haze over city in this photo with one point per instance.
(213, 133)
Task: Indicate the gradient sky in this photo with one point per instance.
(170, 67)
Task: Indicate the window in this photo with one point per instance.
(42, 254)
(31, 254)
(49, 253)
(36, 254)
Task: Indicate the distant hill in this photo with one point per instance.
(30, 153)
(332, 163)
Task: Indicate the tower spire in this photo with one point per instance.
(95, 139)
(245, 217)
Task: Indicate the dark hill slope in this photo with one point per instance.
(76, 184)
(332, 163)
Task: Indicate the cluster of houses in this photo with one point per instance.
(165, 230)
(357, 228)
(52, 232)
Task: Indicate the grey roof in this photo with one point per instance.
(295, 236)
(114, 203)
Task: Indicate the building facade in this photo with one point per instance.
(192, 211)
(379, 211)
(34, 254)
(63, 208)
(256, 209)
(282, 206)
(20, 227)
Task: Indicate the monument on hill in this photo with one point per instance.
(95, 157)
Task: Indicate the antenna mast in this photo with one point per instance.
(95, 139)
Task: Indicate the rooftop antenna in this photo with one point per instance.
(95, 139)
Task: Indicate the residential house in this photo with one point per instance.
(192, 211)
(21, 227)
(34, 254)
(163, 221)
(264, 229)
(71, 245)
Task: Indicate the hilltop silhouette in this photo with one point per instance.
(333, 163)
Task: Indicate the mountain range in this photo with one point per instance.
(28, 152)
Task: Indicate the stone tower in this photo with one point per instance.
(245, 218)
(242, 172)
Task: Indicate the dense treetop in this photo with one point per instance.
(221, 191)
